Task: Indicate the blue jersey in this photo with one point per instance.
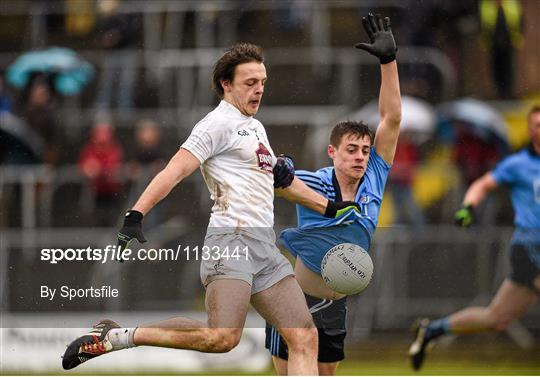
(316, 234)
(521, 173)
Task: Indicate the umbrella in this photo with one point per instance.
(18, 142)
(485, 121)
(418, 117)
(70, 72)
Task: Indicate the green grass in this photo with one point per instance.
(440, 367)
(389, 358)
(394, 367)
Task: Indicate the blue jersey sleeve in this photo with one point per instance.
(505, 171)
(314, 181)
(377, 173)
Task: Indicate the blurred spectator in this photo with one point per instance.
(117, 34)
(6, 102)
(294, 17)
(145, 163)
(80, 18)
(435, 23)
(442, 24)
(473, 155)
(100, 161)
(400, 181)
(148, 149)
(502, 25)
(38, 107)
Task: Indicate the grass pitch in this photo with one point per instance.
(468, 356)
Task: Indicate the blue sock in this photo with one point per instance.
(437, 328)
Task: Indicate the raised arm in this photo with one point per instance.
(387, 134)
(181, 165)
(384, 47)
(478, 190)
(475, 194)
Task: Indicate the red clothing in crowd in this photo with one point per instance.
(405, 161)
(474, 156)
(100, 161)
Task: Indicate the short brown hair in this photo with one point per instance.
(238, 54)
(359, 129)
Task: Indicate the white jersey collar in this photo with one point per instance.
(233, 109)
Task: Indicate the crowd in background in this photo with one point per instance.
(106, 161)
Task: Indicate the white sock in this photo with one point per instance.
(121, 338)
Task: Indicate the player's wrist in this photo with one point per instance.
(331, 209)
(133, 217)
(387, 59)
(468, 206)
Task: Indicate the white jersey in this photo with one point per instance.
(236, 164)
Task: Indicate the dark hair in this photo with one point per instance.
(238, 54)
(534, 109)
(359, 129)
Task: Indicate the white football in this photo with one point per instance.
(347, 268)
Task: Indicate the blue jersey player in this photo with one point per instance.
(519, 292)
(361, 163)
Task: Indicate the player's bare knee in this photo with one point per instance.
(303, 340)
(223, 340)
(309, 341)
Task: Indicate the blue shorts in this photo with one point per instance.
(330, 318)
(525, 263)
(311, 244)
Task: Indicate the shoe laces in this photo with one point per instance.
(95, 346)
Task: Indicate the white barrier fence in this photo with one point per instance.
(39, 350)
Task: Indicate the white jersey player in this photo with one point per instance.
(240, 169)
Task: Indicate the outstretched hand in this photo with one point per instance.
(132, 229)
(283, 171)
(465, 216)
(380, 35)
(336, 209)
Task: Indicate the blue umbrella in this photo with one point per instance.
(70, 72)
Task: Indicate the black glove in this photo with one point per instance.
(336, 209)
(283, 171)
(132, 229)
(380, 35)
(465, 216)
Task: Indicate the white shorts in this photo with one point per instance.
(236, 256)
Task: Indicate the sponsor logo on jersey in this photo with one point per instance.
(217, 268)
(264, 158)
(243, 133)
